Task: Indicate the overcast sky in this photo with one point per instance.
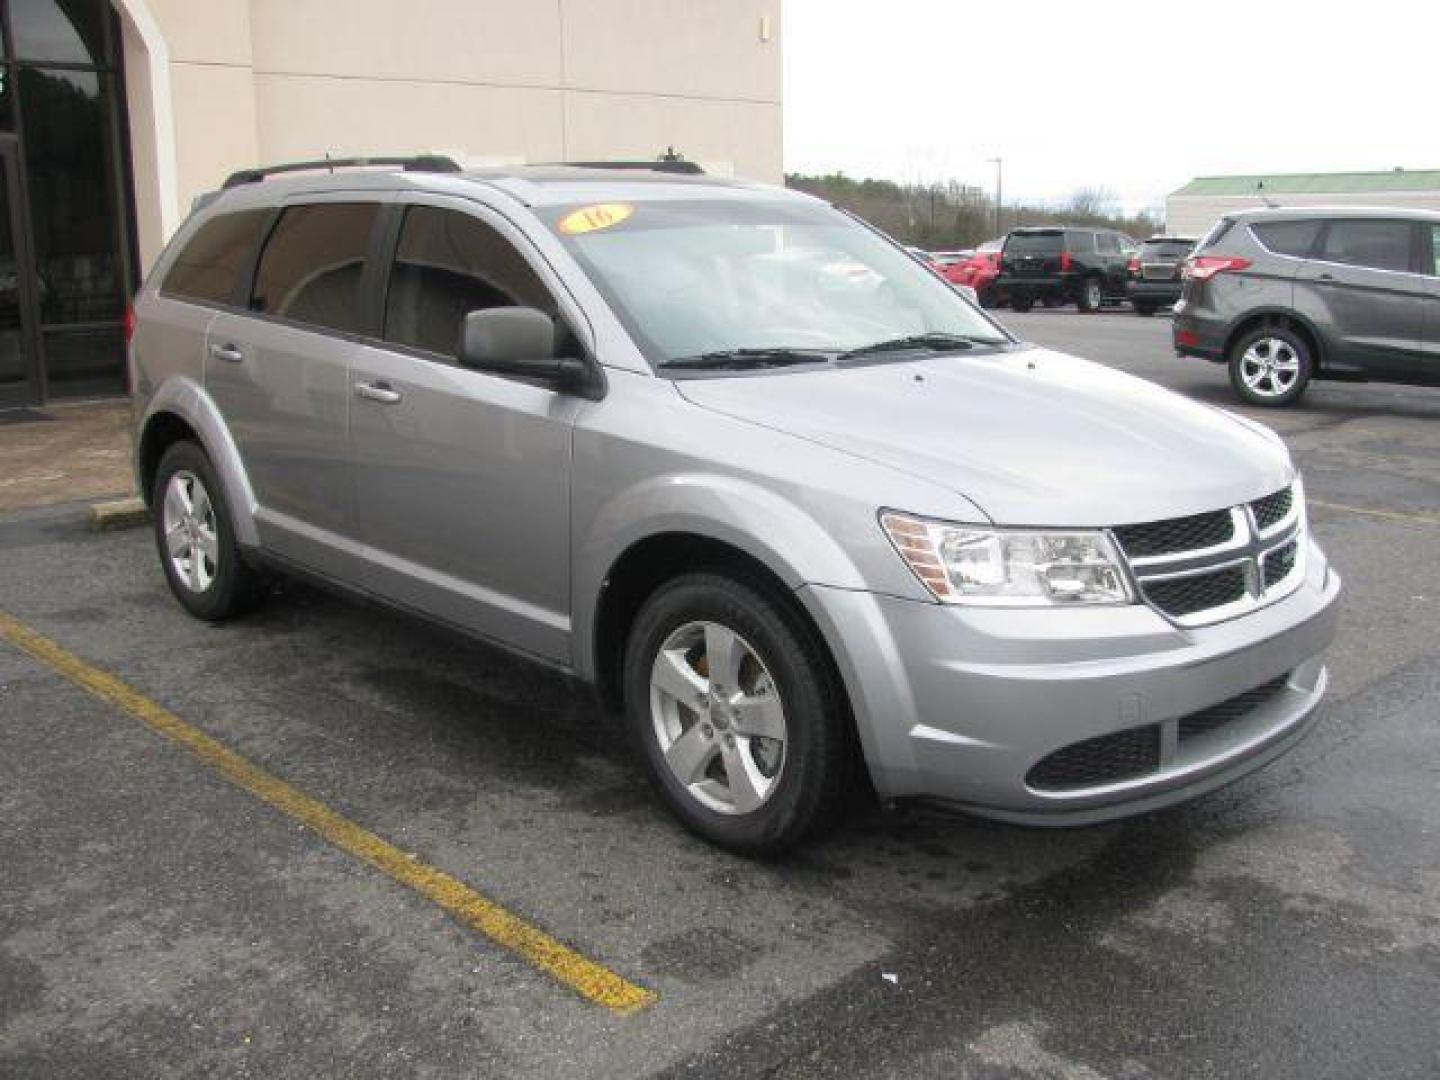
(1136, 97)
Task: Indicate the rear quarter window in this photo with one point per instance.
(209, 266)
(1293, 238)
(1081, 243)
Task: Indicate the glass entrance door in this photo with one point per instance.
(19, 384)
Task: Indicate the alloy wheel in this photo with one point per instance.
(191, 539)
(1269, 367)
(718, 717)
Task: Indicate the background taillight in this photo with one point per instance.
(129, 323)
(1066, 262)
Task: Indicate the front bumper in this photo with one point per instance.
(960, 704)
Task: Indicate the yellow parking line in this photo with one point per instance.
(1390, 515)
(586, 977)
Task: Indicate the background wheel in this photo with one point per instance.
(1270, 366)
(1144, 309)
(737, 714)
(1021, 303)
(195, 537)
(1091, 296)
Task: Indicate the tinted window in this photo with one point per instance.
(1434, 260)
(211, 262)
(1379, 245)
(311, 268)
(1080, 242)
(1165, 249)
(1108, 243)
(1295, 238)
(1035, 243)
(448, 264)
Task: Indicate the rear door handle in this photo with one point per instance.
(377, 391)
(231, 354)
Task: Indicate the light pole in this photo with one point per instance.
(999, 164)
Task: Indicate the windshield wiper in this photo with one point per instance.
(739, 359)
(934, 342)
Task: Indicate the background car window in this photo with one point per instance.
(311, 267)
(1379, 245)
(209, 265)
(1294, 238)
(1080, 243)
(447, 265)
(1108, 244)
(1034, 243)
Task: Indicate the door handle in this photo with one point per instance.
(231, 354)
(1326, 277)
(377, 391)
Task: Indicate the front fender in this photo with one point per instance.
(795, 546)
(184, 397)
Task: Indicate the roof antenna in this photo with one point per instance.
(1260, 190)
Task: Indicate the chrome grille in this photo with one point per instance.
(1176, 534)
(1197, 592)
(1272, 509)
(1205, 567)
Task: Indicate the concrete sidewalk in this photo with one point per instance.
(64, 453)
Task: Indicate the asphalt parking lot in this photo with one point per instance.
(158, 917)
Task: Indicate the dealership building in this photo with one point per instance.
(1196, 206)
(115, 114)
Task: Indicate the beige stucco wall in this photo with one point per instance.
(486, 80)
(1192, 215)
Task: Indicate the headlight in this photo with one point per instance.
(969, 564)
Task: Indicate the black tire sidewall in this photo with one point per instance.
(1021, 303)
(816, 760)
(1083, 301)
(232, 590)
(1302, 350)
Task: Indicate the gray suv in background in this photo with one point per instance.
(789, 502)
(1287, 296)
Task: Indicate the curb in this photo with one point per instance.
(118, 514)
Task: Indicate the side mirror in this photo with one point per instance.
(516, 341)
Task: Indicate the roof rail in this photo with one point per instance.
(678, 165)
(433, 163)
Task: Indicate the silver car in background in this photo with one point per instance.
(784, 497)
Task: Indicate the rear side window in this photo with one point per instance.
(448, 264)
(311, 267)
(1378, 245)
(1294, 238)
(1108, 243)
(1080, 243)
(208, 268)
(1044, 243)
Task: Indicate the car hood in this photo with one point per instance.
(1030, 436)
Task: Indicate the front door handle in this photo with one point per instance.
(231, 354)
(377, 391)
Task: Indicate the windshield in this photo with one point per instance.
(724, 283)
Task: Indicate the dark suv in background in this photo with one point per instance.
(1154, 273)
(1286, 296)
(1064, 265)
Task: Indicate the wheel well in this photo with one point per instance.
(162, 431)
(649, 564)
(1271, 318)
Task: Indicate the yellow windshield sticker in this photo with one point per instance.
(592, 218)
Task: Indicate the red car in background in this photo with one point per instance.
(979, 272)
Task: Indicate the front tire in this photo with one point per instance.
(1092, 295)
(196, 539)
(1270, 367)
(737, 714)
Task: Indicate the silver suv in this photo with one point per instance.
(786, 499)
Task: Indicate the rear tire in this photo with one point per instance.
(1053, 300)
(195, 537)
(1147, 310)
(710, 663)
(1271, 366)
(1091, 296)
(1021, 302)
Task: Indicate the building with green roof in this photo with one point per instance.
(1192, 209)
